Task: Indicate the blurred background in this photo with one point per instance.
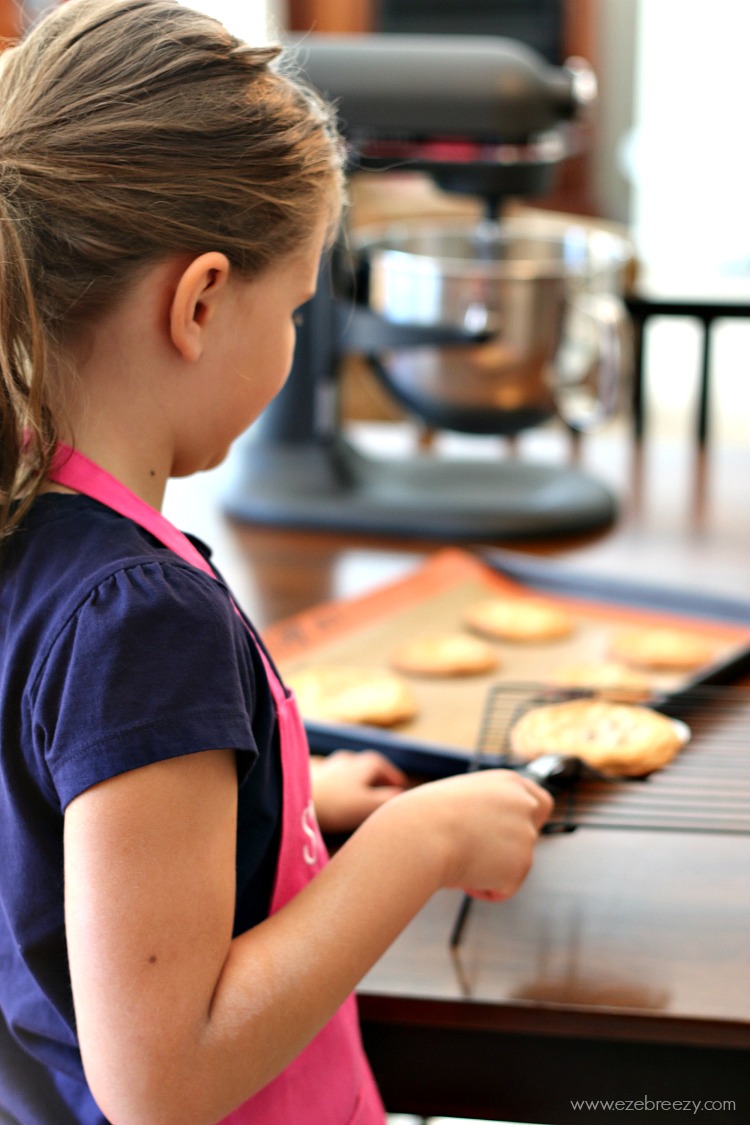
(668, 153)
(666, 156)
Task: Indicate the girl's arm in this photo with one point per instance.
(178, 1022)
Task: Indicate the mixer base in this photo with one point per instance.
(334, 487)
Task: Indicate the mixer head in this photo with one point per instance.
(482, 115)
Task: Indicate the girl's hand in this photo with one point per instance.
(488, 823)
(348, 785)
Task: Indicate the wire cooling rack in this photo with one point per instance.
(706, 788)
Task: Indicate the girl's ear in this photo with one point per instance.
(199, 288)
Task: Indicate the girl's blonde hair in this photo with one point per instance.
(130, 131)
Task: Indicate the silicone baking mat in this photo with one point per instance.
(364, 631)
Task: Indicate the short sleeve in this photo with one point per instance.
(153, 664)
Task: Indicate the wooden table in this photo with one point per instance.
(622, 968)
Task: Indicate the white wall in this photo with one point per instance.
(256, 21)
(691, 154)
(690, 212)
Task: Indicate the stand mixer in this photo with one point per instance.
(486, 328)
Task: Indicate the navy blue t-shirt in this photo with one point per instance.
(114, 653)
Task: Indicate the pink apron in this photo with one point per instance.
(329, 1082)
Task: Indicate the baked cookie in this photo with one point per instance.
(606, 679)
(350, 694)
(445, 654)
(663, 648)
(619, 739)
(519, 619)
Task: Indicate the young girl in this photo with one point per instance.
(174, 947)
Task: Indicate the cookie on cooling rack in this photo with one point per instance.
(445, 655)
(350, 694)
(606, 679)
(618, 739)
(664, 649)
(519, 619)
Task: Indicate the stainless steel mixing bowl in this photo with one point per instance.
(538, 302)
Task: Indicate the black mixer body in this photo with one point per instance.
(486, 117)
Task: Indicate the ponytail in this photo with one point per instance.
(26, 431)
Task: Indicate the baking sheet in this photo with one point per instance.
(365, 630)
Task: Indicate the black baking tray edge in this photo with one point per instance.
(428, 759)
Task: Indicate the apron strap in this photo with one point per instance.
(76, 471)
